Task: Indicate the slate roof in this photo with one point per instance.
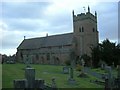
(54, 40)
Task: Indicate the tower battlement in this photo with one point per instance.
(84, 16)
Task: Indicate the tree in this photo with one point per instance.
(95, 56)
(107, 51)
(87, 59)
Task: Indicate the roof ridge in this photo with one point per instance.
(49, 36)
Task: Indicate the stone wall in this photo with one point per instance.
(53, 55)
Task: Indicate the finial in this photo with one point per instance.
(95, 13)
(73, 12)
(84, 9)
(24, 37)
(46, 34)
(88, 9)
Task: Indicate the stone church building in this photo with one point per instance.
(56, 49)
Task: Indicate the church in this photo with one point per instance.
(56, 49)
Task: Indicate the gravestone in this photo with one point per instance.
(71, 79)
(29, 82)
(113, 65)
(82, 63)
(20, 83)
(103, 65)
(119, 77)
(30, 76)
(53, 83)
(66, 70)
(109, 78)
(119, 71)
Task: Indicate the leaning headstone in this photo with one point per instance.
(65, 70)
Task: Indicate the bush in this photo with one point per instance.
(78, 67)
(67, 62)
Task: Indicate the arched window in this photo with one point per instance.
(48, 56)
(37, 56)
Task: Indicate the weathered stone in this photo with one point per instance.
(39, 83)
(119, 77)
(119, 71)
(65, 70)
(54, 83)
(30, 76)
(20, 83)
(109, 70)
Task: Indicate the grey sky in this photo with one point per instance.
(35, 19)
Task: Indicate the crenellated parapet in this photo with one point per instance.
(84, 16)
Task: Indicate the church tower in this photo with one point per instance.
(85, 32)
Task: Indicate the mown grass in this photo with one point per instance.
(46, 72)
(102, 71)
(0, 76)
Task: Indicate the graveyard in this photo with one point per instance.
(11, 72)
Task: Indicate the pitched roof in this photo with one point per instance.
(54, 40)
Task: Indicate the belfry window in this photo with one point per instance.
(93, 29)
(81, 29)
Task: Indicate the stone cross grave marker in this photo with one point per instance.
(29, 81)
(27, 60)
(82, 63)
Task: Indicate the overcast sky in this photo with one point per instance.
(35, 19)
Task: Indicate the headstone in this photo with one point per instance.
(119, 71)
(71, 79)
(106, 84)
(113, 65)
(30, 76)
(53, 83)
(39, 83)
(29, 82)
(20, 83)
(110, 80)
(102, 65)
(119, 77)
(82, 63)
(65, 70)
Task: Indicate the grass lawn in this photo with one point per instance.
(46, 72)
(0, 76)
(101, 71)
